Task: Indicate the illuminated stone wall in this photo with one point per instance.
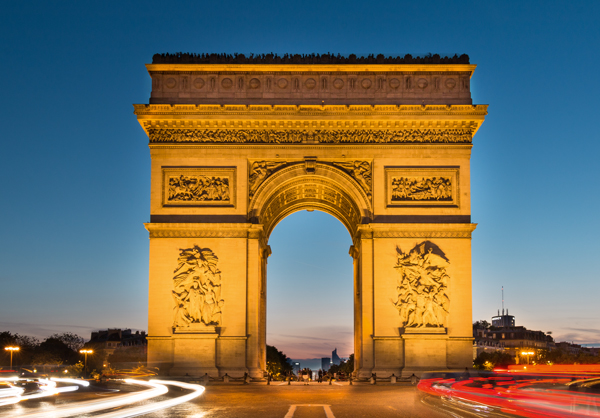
(389, 159)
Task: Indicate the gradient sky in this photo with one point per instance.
(74, 163)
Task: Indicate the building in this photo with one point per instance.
(113, 338)
(335, 359)
(483, 343)
(504, 335)
(325, 363)
(296, 367)
(503, 320)
(576, 349)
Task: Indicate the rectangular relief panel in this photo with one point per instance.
(199, 186)
(422, 186)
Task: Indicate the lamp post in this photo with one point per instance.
(12, 350)
(527, 353)
(85, 353)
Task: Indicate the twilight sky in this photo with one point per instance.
(74, 163)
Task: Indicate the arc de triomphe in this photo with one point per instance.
(237, 144)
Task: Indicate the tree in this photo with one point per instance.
(488, 361)
(54, 351)
(345, 366)
(482, 324)
(73, 341)
(26, 344)
(278, 364)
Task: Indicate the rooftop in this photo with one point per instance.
(191, 58)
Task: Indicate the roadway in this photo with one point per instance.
(299, 401)
(256, 400)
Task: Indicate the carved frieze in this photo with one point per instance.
(273, 136)
(198, 186)
(360, 171)
(259, 171)
(197, 289)
(198, 189)
(422, 186)
(422, 291)
(421, 189)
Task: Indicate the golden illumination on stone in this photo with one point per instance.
(236, 148)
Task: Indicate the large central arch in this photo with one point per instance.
(324, 187)
(236, 147)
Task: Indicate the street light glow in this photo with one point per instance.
(12, 349)
(86, 351)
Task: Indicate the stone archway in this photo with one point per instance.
(237, 148)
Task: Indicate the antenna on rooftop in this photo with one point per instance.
(502, 300)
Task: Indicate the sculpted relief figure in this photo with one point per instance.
(198, 188)
(422, 299)
(197, 288)
(421, 189)
(259, 171)
(360, 171)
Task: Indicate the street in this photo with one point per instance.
(299, 401)
(256, 400)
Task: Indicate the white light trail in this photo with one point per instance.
(157, 406)
(157, 388)
(95, 405)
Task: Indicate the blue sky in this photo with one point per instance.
(74, 164)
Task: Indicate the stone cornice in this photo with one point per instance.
(311, 118)
(194, 230)
(415, 231)
(333, 112)
(312, 68)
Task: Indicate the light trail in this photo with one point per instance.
(98, 405)
(157, 388)
(145, 409)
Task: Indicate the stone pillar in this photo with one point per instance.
(366, 361)
(421, 298)
(256, 296)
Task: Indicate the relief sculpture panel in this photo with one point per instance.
(271, 136)
(422, 186)
(198, 186)
(421, 189)
(360, 171)
(197, 288)
(422, 291)
(259, 171)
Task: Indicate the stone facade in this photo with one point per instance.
(384, 148)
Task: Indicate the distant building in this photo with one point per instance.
(335, 359)
(113, 338)
(503, 320)
(576, 349)
(504, 335)
(325, 363)
(296, 367)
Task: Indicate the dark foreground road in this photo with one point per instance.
(256, 400)
(297, 401)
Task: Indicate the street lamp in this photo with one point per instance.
(527, 353)
(85, 353)
(12, 350)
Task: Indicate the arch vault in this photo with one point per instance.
(236, 147)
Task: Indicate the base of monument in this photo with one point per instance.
(386, 373)
(194, 371)
(235, 372)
